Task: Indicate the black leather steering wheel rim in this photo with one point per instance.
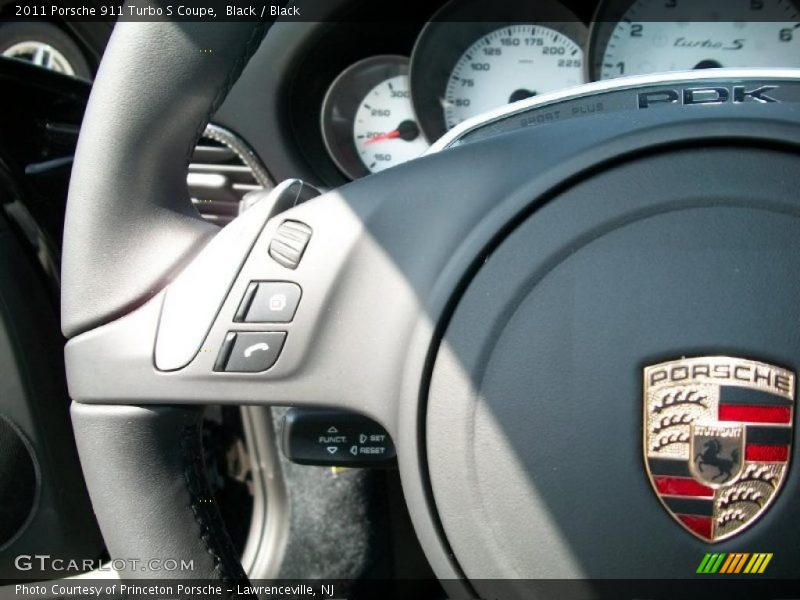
(135, 144)
(147, 110)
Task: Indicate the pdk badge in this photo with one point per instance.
(717, 440)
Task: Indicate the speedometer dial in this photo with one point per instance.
(478, 55)
(675, 35)
(510, 64)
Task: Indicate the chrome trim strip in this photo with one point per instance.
(242, 150)
(609, 85)
(269, 527)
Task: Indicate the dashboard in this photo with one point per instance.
(473, 56)
(355, 93)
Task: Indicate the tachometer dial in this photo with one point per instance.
(368, 123)
(474, 56)
(651, 36)
(510, 64)
(385, 131)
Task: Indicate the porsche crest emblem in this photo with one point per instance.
(717, 440)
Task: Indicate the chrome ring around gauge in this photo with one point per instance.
(41, 54)
(368, 123)
(475, 56)
(514, 115)
(654, 36)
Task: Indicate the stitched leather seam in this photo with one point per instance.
(256, 35)
(212, 533)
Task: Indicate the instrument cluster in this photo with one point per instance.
(474, 56)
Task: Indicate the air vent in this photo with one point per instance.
(223, 169)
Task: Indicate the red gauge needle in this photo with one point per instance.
(390, 135)
(407, 130)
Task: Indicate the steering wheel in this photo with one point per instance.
(492, 305)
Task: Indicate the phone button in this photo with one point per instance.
(250, 351)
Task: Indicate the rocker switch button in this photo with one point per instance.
(324, 437)
(289, 243)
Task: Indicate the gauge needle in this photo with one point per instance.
(407, 130)
(389, 135)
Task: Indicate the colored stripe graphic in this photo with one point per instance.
(682, 486)
(755, 414)
(760, 452)
(727, 564)
(754, 564)
(703, 564)
(765, 562)
(711, 563)
(734, 563)
(740, 563)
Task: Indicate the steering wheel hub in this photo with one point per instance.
(535, 413)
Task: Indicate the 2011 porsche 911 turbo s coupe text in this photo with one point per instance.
(348, 299)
